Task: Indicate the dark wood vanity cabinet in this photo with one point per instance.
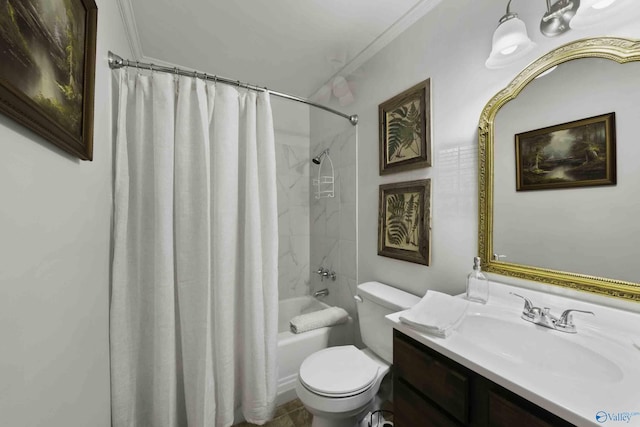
(432, 390)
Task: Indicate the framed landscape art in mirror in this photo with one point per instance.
(581, 153)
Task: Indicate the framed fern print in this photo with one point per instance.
(405, 130)
(404, 226)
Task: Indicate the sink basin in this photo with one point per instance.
(577, 377)
(551, 352)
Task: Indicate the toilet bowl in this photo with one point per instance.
(338, 385)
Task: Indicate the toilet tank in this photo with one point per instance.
(378, 300)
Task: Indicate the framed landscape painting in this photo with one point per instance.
(404, 228)
(47, 52)
(574, 154)
(405, 130)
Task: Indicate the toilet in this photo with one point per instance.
(338, 385)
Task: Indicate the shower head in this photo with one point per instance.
(319, 157)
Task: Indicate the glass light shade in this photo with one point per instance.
(602, 4)
(593, 12)
(323, 95)
(510, 43)
(346, 99)
(340, 87)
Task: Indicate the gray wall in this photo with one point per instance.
(55, 220)
(450, 46)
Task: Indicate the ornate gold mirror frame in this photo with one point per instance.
(616, 49)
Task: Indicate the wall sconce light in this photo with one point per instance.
(339, 87)
(556, 20)
(593, 11)
(511, 41)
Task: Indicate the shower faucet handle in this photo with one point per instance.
(326, 273)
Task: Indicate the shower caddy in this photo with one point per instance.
(324, 183)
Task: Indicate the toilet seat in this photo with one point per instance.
(338, 372)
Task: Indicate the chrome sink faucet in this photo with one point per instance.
(543, 316)
(565, 322)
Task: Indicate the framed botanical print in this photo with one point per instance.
(404, 227)
(581, 153)
(47, 57)
(405, 130)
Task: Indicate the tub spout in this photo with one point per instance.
(321, 293)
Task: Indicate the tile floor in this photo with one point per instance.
(293, 414)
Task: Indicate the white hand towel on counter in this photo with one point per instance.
(436, 313)
(318, 319)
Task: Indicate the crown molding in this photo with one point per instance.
(400, 25)
(404, 22)
(130, 28)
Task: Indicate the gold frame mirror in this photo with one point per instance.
(616, 49)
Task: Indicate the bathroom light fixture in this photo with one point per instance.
(323, 95)
(593, 11)
(342, 91)
(340, 88)
(511, 41)
(556, 20)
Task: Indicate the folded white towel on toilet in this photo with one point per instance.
(318, 319)
(436, 313)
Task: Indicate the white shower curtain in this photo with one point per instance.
(194, 290)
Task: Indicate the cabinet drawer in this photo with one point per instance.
(411, 410)
(442, 383)
(506, 413)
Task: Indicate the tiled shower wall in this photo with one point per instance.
(333, 221)
(292, 167)
(315, 232)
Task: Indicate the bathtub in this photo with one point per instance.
(294, 348)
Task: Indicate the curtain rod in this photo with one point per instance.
(116, 62)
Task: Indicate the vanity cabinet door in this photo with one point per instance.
(504, 412)
(439, 381)
(411, 410)
(431, 390)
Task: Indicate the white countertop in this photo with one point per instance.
(612, 333)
